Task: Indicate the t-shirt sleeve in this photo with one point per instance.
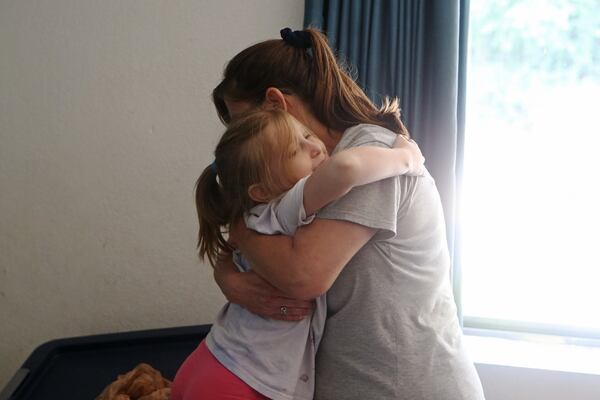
(282, 215)
(374, 205)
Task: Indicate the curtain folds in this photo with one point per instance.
(414, 50)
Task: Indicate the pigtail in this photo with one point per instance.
(213, 215)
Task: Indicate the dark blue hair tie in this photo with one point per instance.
(213, 167)
(297, 39)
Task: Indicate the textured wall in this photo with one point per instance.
(105, 123)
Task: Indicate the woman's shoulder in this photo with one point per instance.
(366, 135)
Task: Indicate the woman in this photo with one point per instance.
(379, 252)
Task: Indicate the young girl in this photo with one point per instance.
(275, 173)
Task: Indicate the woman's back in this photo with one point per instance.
(392, 330)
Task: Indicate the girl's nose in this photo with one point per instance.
(315, 150)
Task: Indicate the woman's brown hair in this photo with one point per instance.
(313, 74)
(252, 150)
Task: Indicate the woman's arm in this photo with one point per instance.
(306, 265)
(312, 258)
(359, 166)
(252, 292)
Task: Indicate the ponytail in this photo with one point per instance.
(213, 215)
(338, 101)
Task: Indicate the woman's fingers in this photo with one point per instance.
(261, 298)
(283, 313)
(278, 300)
(286, 309)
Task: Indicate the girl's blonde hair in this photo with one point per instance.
(313, 74)
(253, 150)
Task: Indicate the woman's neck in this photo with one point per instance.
(331, 139)
(328, 136)
(301, 111)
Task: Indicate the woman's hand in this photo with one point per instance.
(250, 291)
(417, 167)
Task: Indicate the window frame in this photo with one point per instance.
(495, 327)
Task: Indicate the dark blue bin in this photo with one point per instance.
(81, 367)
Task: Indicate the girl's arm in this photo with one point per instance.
(358, 166)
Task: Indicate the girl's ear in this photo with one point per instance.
(274, 98)
(259, 193)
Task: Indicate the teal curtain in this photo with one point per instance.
(414, 50)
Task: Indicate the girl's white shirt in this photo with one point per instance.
(276, 358)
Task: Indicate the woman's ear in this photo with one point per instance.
(259, 193)
(274, 98)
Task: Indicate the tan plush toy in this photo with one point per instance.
(141, 383)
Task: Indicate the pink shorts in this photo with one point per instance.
(201, 376)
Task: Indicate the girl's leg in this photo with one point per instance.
(201, 376)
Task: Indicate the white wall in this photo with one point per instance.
(105, 123)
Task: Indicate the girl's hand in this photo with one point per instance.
(252, 292)
(417, 167)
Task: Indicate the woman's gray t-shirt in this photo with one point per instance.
(392, 331)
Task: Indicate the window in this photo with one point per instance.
(531, 190)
